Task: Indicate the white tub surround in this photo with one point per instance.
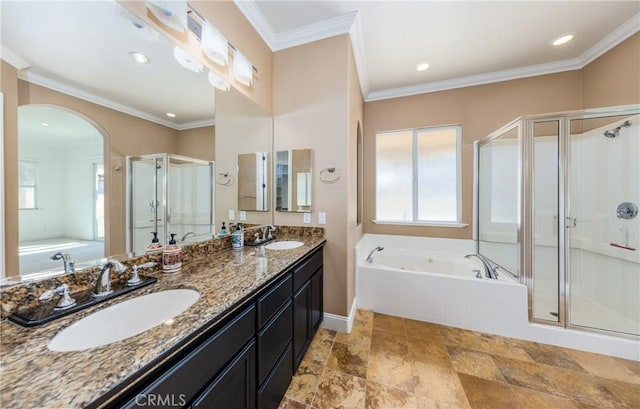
(459, 299)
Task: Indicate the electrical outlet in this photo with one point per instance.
(322, 218)
(243, 215)
(306, 218)
(232, 215)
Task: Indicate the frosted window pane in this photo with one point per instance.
(394, 180)
(437, 175)
(28, 173)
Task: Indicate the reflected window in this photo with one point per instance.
(418, 175)
(28, 184)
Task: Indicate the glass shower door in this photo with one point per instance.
(603, 254)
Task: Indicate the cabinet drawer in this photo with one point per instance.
(274, 388)
(186, 378)
(270, 302)
(304, 272)
(273, 339)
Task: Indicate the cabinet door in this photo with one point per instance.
(235, 387)
(301, 323)
(317, 307)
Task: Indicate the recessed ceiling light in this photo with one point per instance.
(563, 39)
(44, 124)
(171, 115)
(139, 57)
(422, 66)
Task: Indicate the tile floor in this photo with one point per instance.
(393, 363)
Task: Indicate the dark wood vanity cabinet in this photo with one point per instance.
(249, 361)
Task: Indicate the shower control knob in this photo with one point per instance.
(627, 210)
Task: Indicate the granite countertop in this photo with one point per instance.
(31, 376)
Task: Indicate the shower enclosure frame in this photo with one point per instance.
(526, 205)
(166, 201)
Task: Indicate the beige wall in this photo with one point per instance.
(198, 143)
(9, 86)
(480, 110)
(226, 16)
(311, 110)
(613, 78)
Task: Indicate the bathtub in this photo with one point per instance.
(429, 279)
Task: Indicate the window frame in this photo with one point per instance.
(36, 166)
(416, 182)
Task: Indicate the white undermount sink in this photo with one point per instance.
(284, 245)
(123, 320)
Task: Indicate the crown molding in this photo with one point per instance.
(259, 22)
(13, 58)
(86, 96)
(617, 36)
(316, 31)
(196, 124)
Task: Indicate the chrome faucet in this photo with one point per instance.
(270, 228)
(103, 284)
(369, 258)
(189, 234)
(490, 271)
(66, 259)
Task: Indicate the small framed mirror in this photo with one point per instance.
(253, 194)
(293, 180)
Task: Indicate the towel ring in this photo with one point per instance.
(325, 176)
(225, 180)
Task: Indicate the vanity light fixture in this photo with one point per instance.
(171, 13)
(139, 57)
(186, 60)
(563, 39)
(423, 66)
(218, 82)
(214, 44)
(242, 69)
(171, 114)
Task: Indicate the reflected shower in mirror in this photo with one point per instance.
(498, 192)
(293, 180)
(253, 194)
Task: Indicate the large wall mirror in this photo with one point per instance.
(498, 193)
(85, 49)
(293, 180)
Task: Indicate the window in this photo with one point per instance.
(28, 184)
(418, 175)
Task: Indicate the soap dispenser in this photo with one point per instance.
(223, 230)
(237, 238)
(155, 247)
(172, 256)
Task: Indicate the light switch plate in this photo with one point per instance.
(232, 215)
(306, 218)
(322, 218)
(243, 215)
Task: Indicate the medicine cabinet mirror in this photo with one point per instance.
(293, 180)
(253, 194)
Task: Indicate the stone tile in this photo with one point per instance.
(438, 384)
(475, 363)
(628, 393)
(485, 394)
(291, 404)
(318, 351)
(305, 382)
(351, 359)
(578, 386)
(338, 390)
(389, 344)
(432, 352)
(420, 329)
(388, 323)
(380, 396)
(550, 355)
(326, 334)
(478, 341)
(605, 366)
(531, 399)
(360, 335)
(365, 317)
(388, 365)
(426, 403)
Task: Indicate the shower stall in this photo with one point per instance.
(557, 199)
(167, 194)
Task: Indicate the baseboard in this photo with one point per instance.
(340, 323)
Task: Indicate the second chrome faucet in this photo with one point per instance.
(103, 283)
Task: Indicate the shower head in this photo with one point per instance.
(612, 133)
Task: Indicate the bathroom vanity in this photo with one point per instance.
(238, 346)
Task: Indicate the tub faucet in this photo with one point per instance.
(66, 259)
(103, 284)
(490, 271)
(369, 258)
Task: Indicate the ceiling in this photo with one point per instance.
(464, 42)
(81, 47)
(43, 125)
